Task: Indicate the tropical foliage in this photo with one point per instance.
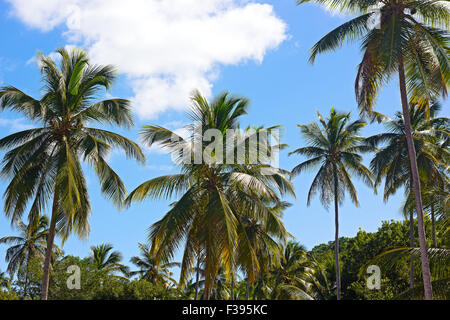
(228, 197)
(410, 40)
(217, 196)
(43, 164)
(334, 146)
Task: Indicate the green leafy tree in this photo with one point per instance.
(114, 289)
(44, 163)
(336, 147)
(440, 270)
(358, 252)
(91, 279)
(411, 40)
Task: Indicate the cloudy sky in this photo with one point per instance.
(164, 49)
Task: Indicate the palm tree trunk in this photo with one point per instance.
(415, 184)
(255, 291)
(48, 252)
(336, 237)
(247, 290)
(232, 285)
(433, 226)
(197, 278)
(209, 278)
(411, 245)
(26, 282)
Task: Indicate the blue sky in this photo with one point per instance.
(270, 68)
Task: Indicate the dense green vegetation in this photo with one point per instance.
(227, 211)
(301, 274)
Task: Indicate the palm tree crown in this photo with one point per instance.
(149, 270)
(103, 258)
(413, 31)
(30, 243)
(211, 194)
(391, 162)
(336, 148)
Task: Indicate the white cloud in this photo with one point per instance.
(166, 48)
(14, 125)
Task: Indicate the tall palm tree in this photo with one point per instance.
(411, 41)
(392, 164)
(44, 162)
(150, 270)
(104, 259)
(336, 147)
(29, 244)
(209, 190)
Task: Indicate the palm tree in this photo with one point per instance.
(411, 41)
(199, 256)
(151, 271)
(191, 290)
(392, 164)
(104, 259)
(29, 244)
(436, 202)
(209, 190)
(221, 290)
(293, 276)
(260, 239)
(336, 147)
(321, 288)
(44, 162)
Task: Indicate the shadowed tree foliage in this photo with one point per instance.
(440, 270)
(263, 238)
